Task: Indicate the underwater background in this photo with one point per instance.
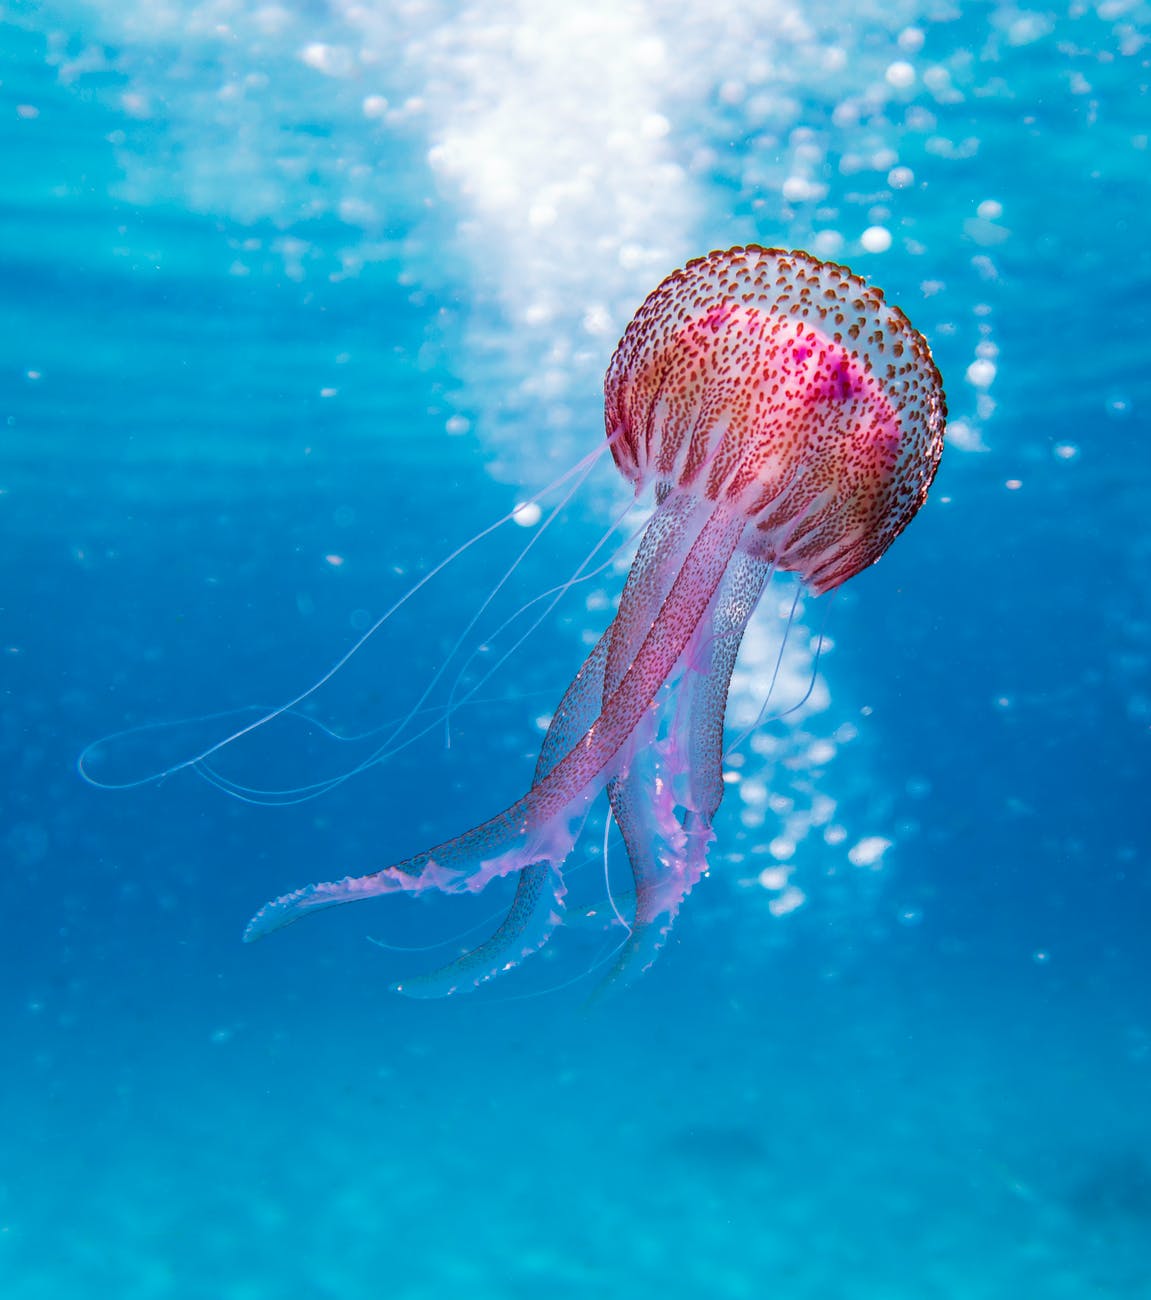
(295, 299)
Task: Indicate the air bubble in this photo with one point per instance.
(869, 851)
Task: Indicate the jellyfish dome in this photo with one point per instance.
(787, 419)
(789, 388)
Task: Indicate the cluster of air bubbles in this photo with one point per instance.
(560, 160)
(834, 124)
(557, 162)
(791, 825)
(974, 405)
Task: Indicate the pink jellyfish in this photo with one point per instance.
(788, 419)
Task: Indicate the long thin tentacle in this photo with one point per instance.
(199, 760)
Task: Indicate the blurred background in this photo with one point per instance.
(296, 298)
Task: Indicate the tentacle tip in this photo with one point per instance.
(427, 987)
(263, 923)
(411, 988)
(286, 909)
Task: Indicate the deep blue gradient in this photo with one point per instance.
(223, 454)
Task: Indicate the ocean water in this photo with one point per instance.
(296, 299)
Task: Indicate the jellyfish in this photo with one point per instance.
(786, 419)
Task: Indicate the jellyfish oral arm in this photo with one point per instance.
(671, 784)
(675, 750)
(538, 905)
(541, 827)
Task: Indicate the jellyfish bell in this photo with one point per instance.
(787, 419)
(788, 387)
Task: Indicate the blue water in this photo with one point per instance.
(295, 300)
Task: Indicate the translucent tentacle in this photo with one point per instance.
(705, 703)
(666, 799)
(538, 827)
(535, 912)
(198, 761)
(538, 906)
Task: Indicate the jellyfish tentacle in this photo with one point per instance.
(538, 827)
(198, 763)
(684, 767)
(538, 905)
(552, 596)
(706, 703)
(534, 914)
